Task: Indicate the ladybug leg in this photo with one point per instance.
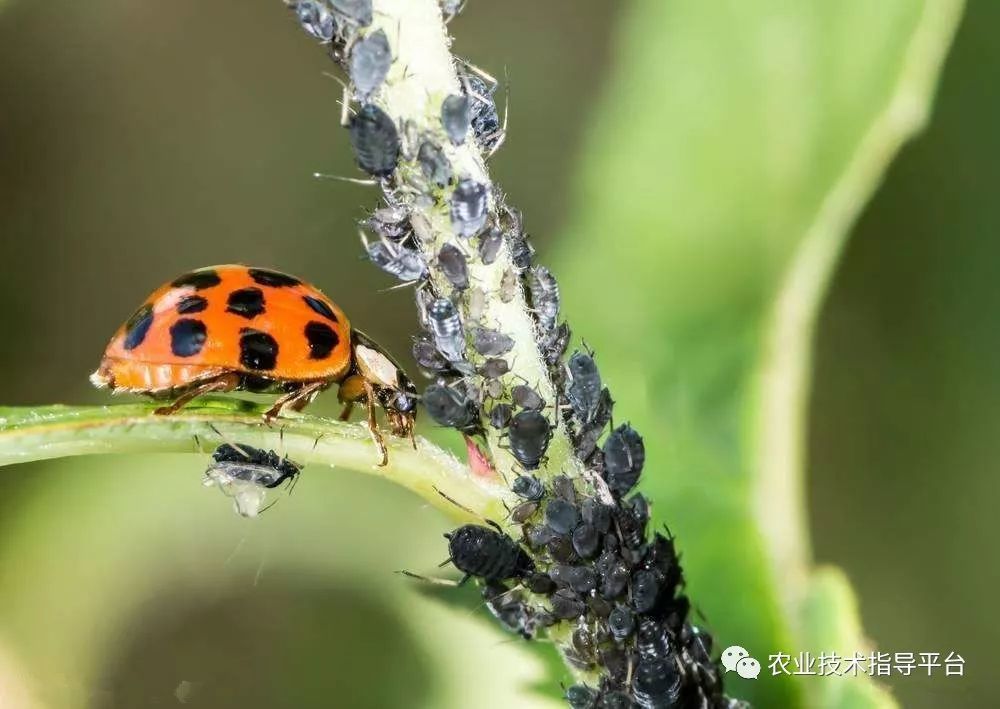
(373, 424)
(295, 400)
(224, 382)
(351, 389)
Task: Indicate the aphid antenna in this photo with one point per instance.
(340, 178)
(501, 133)
(429, 579)
(197, 442)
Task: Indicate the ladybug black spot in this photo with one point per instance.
(137, 326)
(187, 337)
(199, 280)
(322, 340)
(258, 350)
(318, 306)
(266, 277)
(191, 304)
(246, 302)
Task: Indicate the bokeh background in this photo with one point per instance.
(141, 139)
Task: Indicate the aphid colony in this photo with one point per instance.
(584, 560)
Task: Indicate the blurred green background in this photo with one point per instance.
(140, 139)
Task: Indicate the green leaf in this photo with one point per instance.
(732, 151)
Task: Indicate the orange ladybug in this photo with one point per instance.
(227, 328)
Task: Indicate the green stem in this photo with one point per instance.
(41, 433)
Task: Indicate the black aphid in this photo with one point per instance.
(581, 579)
(491, 343)
(369, 63)
(586, 540)
(490, 242)
(446, 326)
(485, 118)
(544, 291)
(645, 591)
(661, 559)
(375, 140)
(561, 550)
(426, 354)
(398, 260)
(656, 683)
(453, 408)
(357, 12)
(528, 487)
(500, 416)
(468, 207)
(562, 516)
(521, 251)
(584, 390)
(562, 487)
(454, 266)
(613, 575)
(390, 222)
(487, 554)
(529, 434)
(253, 465)
(621, 623)
(566, 604)
(510, 608)
(596, 514)
(587, 433)
(580, 696)
(434, 164)
(493, 368)
(632, 518)
(624, 456)
(456, 117)
(554, 346)
(316, 19)
(523, 512)
(526, 397)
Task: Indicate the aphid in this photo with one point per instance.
(245, 473)
(491, 343)
(562, 516)
(581, 579)
(454, 266)
(493, 368)
(566, 604)
(598, 606)
(554, 346)
(468, 207)
(450, 407)
(358, 12)
(500, 416)
(584, 390)
(490, 242)
(580, 696)
(523, 512)
(621, 622)
(456, 118)
(661, 559)
(560, 548)
(375, 140)
(228, 328)
(485, 118)
(586, 437)
(427, 356)
(434, 164)
(509, 285)
(632, 519)
(446, 326)
(370, 62)
(315, 19)
(562, 487)
(487, 553)
(596, 514)
(528, 487)
(656, 683)
(624, 456)
(653, 641)
(526, 397)
(538, 536)
(521, 252)
(476, 303)
(613, 575)
(544, 291)
(390, 222)
(617, 664)
(512, 611)
(530, 434)
(397, 260)
(586, 540)
(645, 591)
(540, 583)
(614, 699)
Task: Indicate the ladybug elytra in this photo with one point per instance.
(232, 327)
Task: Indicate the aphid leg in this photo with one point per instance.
(455, 502)
(226, 439)
(223, 382)
(428, 579)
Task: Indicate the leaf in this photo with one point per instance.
(732, 151)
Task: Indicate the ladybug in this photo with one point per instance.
(232, 327)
